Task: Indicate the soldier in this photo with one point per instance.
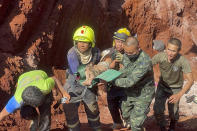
(138, 83)
(172, 66)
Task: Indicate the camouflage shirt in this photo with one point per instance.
(135, 72)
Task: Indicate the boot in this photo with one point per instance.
(172, 125)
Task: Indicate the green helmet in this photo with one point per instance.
(84, 34)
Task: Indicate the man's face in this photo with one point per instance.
(119, 45)
(172, 51)
(131, 50)
(83, 46)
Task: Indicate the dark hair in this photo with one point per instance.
(28, 112)
(33, 96)
(176, 42)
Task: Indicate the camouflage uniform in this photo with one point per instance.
(137, 81)
(171, 82)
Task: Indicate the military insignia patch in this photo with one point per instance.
(175, 68)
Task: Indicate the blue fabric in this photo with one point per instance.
(12, 105)
(73, 61)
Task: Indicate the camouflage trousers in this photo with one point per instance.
(136, 107)
(162, 94)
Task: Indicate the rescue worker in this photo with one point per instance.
(172, 66)
(34, 91)
(79, 56)
(115, 95)
(138, 83)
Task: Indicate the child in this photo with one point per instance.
(94, 70)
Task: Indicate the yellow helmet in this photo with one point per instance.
(84, 34)
(121, 34)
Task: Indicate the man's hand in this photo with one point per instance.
(3, 114)
(174, 98)
(121, 66)
(119, 57)
(65, 94)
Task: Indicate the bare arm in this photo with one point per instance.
(176, 97)
(60, 88)
(3, 114)
(190, 82)
(156, 74)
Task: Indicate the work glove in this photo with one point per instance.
(119, 57)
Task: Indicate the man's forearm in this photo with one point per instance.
(59, 86)
(3, 114)
(186, 87)
(112, 65)
(190, 81)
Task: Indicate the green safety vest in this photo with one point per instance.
(36, 78)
